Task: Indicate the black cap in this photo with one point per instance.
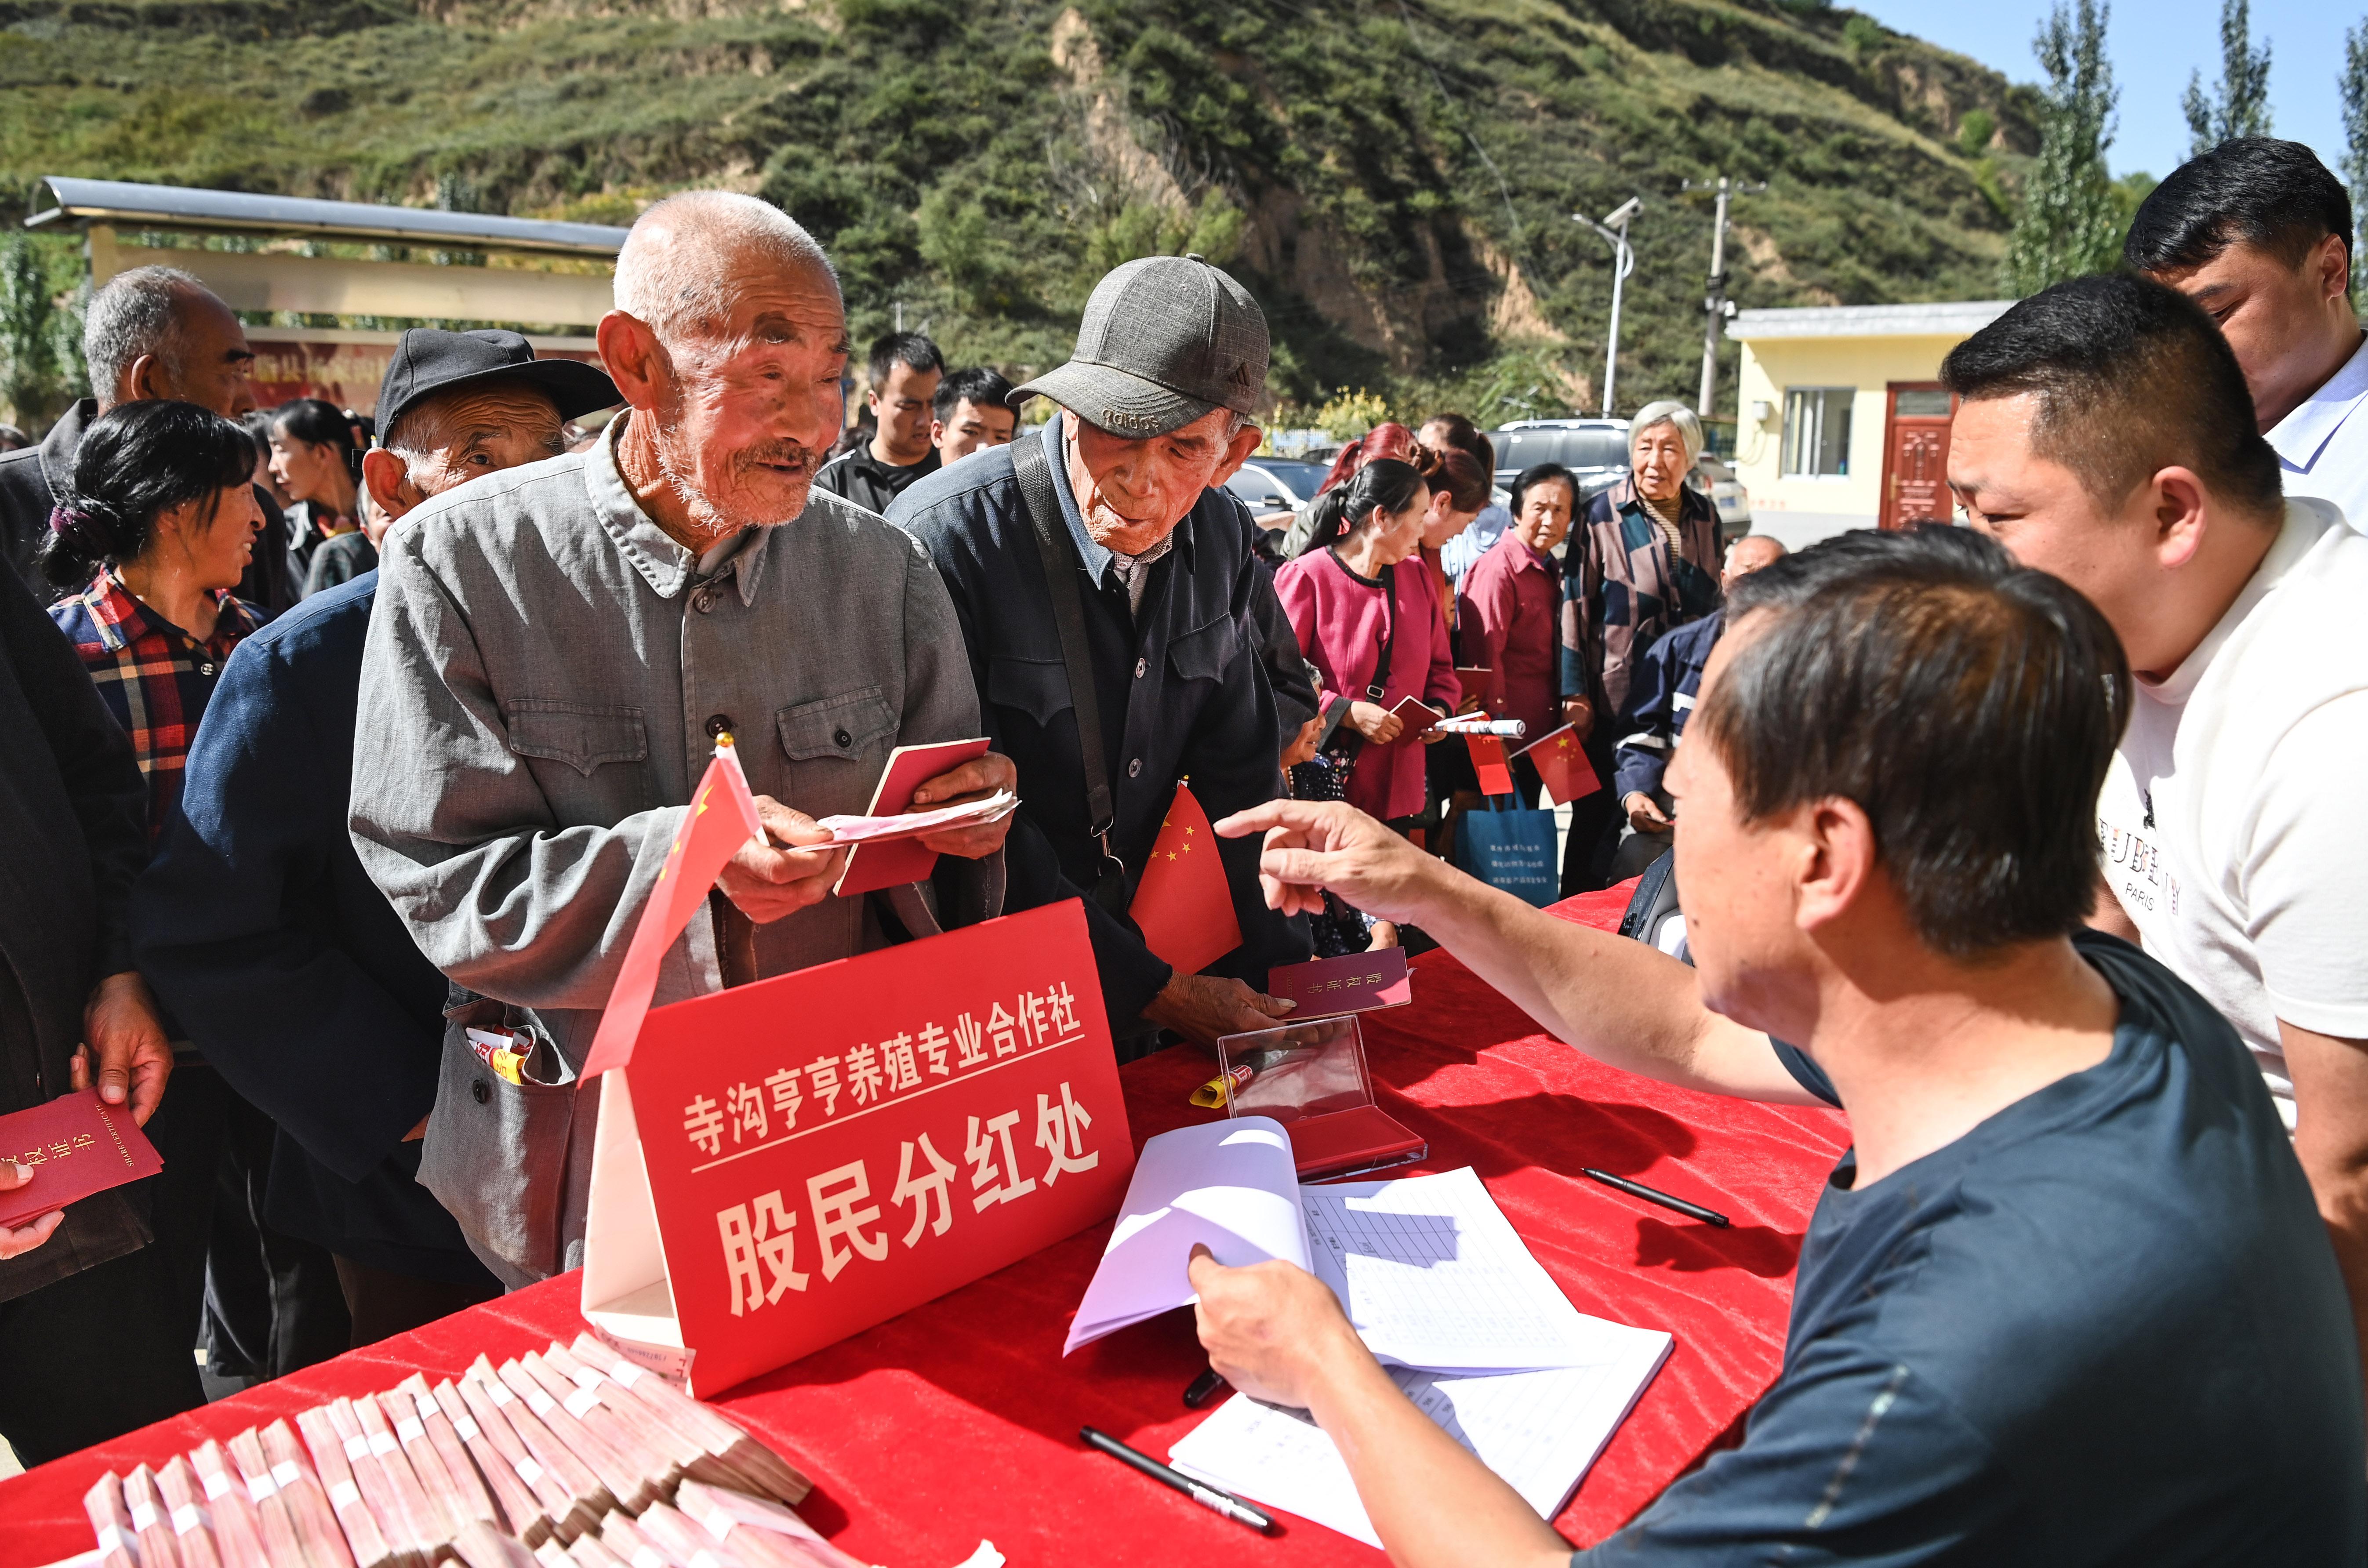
(428, 360)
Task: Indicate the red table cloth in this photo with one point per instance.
(958, 1420)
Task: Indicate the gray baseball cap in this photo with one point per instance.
(1165, 340)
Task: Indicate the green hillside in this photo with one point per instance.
(1394, 180)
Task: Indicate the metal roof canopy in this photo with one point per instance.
(227, 211)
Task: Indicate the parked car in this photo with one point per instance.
(1266, 485)
(1712, 476)
(1596, 450)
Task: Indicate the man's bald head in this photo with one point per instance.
(691, 256)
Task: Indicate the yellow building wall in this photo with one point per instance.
(1868, 364)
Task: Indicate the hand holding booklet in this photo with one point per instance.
(1432, 1276)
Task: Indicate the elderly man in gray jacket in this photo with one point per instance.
(554, 653)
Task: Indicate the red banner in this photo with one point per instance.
(788, 1162)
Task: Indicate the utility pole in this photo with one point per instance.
(1714, 299)
(1614, 229)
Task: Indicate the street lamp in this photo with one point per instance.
(1614, 229)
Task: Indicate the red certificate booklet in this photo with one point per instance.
(873, 865)
(75, 1147)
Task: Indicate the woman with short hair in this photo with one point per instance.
(1642, 560)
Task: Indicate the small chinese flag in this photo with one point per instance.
(1488, 762)
(1182, 902)
(722, 817)
(1562, 762)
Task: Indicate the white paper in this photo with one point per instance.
(1433, 1274)
(1540, 1431)
(1230, 1185)
(911, 824)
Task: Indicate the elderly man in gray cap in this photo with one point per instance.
(1111, 607)
(554, 653)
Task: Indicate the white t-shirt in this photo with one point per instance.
(2235, 816)
(2322, 445)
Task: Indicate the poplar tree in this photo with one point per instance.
(2352, 82)
(2068, 226)
(2243, 109)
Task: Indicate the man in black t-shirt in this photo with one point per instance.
(2069, 1300)
(904, 368)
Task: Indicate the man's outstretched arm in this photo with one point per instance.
(1618, 1000)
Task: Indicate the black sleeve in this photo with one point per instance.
(1286, 667)
(93, 758)
(1805, 1072)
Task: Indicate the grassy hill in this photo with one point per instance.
(1395, 180)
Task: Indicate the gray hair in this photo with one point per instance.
(1675, 414)
(135, 313)
(670, 275)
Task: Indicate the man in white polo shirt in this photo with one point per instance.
(2106, 435)
(2258, 234)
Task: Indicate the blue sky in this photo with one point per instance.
(2155, 44)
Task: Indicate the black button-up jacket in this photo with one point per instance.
(1182, 687)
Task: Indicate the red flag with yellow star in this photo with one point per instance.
(722, 817)
(1182, 902)
(1562, 762)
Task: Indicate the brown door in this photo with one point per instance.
(1916, 455)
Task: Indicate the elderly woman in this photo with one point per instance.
(1642, 560)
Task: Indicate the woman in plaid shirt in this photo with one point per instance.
(158, 527)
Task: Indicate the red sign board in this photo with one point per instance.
(345, 368)
(788, 1162)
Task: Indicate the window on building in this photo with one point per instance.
(1817, 429)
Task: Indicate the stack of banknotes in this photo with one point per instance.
(571, 1456)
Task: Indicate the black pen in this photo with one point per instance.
(1637, 1189)
(1208, 1497)
(1205, 1387)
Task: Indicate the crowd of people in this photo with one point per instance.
(305, 787)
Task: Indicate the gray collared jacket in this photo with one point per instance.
(544, 674)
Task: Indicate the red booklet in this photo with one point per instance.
(75, 1147)
(1349, 983)
(898, 860)
(1416, 715)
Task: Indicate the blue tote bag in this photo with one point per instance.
(1511, 847)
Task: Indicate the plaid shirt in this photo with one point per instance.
(154, 676)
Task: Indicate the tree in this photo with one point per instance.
(2069, 225)
(2352, 81)
(2244, 106)
(38, 356)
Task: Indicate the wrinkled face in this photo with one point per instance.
(972, 428)
(210, 361)
(2274, 316)
(748, 409)
(1136, 492)
(305, 469)
(900, 405)
(1658, 454)
(1736, 874)
(479, 430)
(2045, 517)
(1544, 519)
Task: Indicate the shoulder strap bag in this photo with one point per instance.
(1059, 554)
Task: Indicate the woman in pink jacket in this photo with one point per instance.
(1369, 618)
